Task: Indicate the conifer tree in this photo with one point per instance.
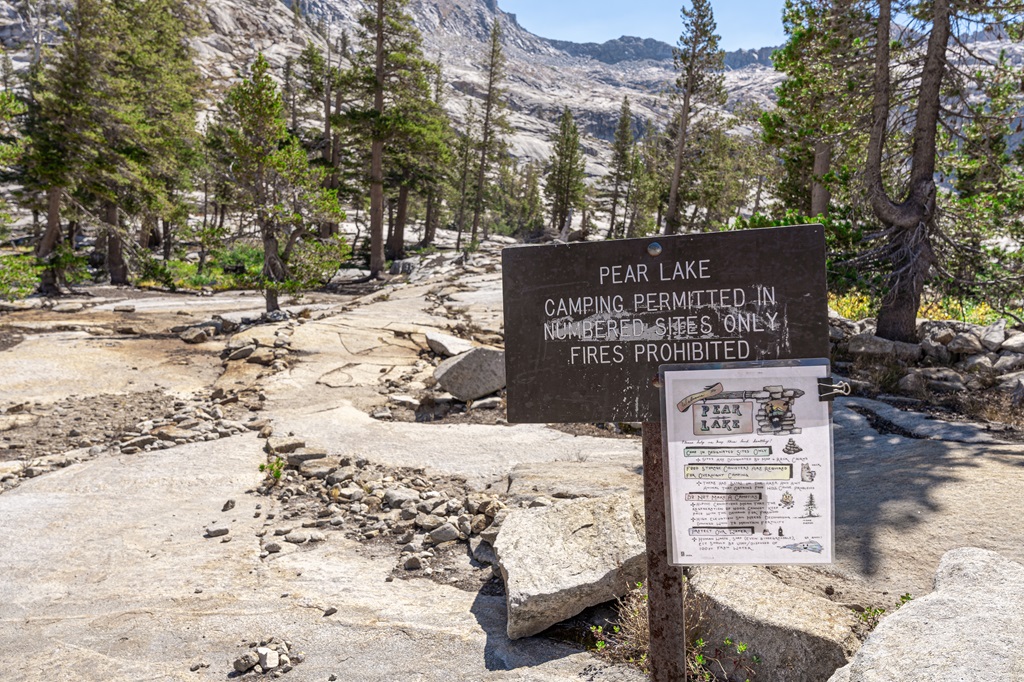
(465, 158)
(933, 50)
(442, 174)
(700, 63)
(70, 99)
(493, 124)
(275, 181)
(565, 188)
(113, 118)
(389, 75)
(618, 175)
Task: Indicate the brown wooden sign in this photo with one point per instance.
(587, 324)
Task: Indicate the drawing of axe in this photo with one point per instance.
(709, 392)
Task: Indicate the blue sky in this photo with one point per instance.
(741, 23)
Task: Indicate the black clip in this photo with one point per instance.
(828, 389)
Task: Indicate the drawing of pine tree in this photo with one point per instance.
(811, 508)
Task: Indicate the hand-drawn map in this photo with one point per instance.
(749, 464)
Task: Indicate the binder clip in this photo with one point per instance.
(828, 388)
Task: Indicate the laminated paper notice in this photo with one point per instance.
(750, 465)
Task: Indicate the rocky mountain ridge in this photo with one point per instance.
(543, 75)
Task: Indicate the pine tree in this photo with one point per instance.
(465, 158)
(908, 209)
(70, 99)
(565, 188)
(442, 174)
(113, 118)
(700, 63)
(493, 125)
(388, 77)
(416, 158)
(819, 124)
(618, 175)
(275, 181)
(644, 191)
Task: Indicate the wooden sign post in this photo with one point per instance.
(587, 326)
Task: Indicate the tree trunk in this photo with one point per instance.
(672, 214)
(611, 213)
(460, 216)
(274, 269)
(49, 277)
(116, 264)
(429, 228)
(396, 243)
(52, 233)
(820, 196)
(910, 220)
(757, 194)
(167, 242)
(377, 260)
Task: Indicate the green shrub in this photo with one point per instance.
(19, 276)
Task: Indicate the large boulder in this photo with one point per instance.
(970, 628)
(797, 635)
(472, 375)
(556, 561)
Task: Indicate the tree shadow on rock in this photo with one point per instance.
(901, 502)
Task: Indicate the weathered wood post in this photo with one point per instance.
(665, 607)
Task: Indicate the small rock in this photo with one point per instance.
(268, 658)
(272, 547)
(228, 506)
(1008, 362)
(446, 345)
(330, 611)
(870, 345)
(491, 403)
(993, 336)
(246, 661)
(483, 552)
(429, 521)
(397, 497)
(978, 363)
(217, 531)
(490, 508)
(241, 353)
(301, 455)
(194, 335)
(279, 446)
(1017, 396)
(413, 563)
(1014, 344)
(444, 533)
(965, 344)
(262, 356)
